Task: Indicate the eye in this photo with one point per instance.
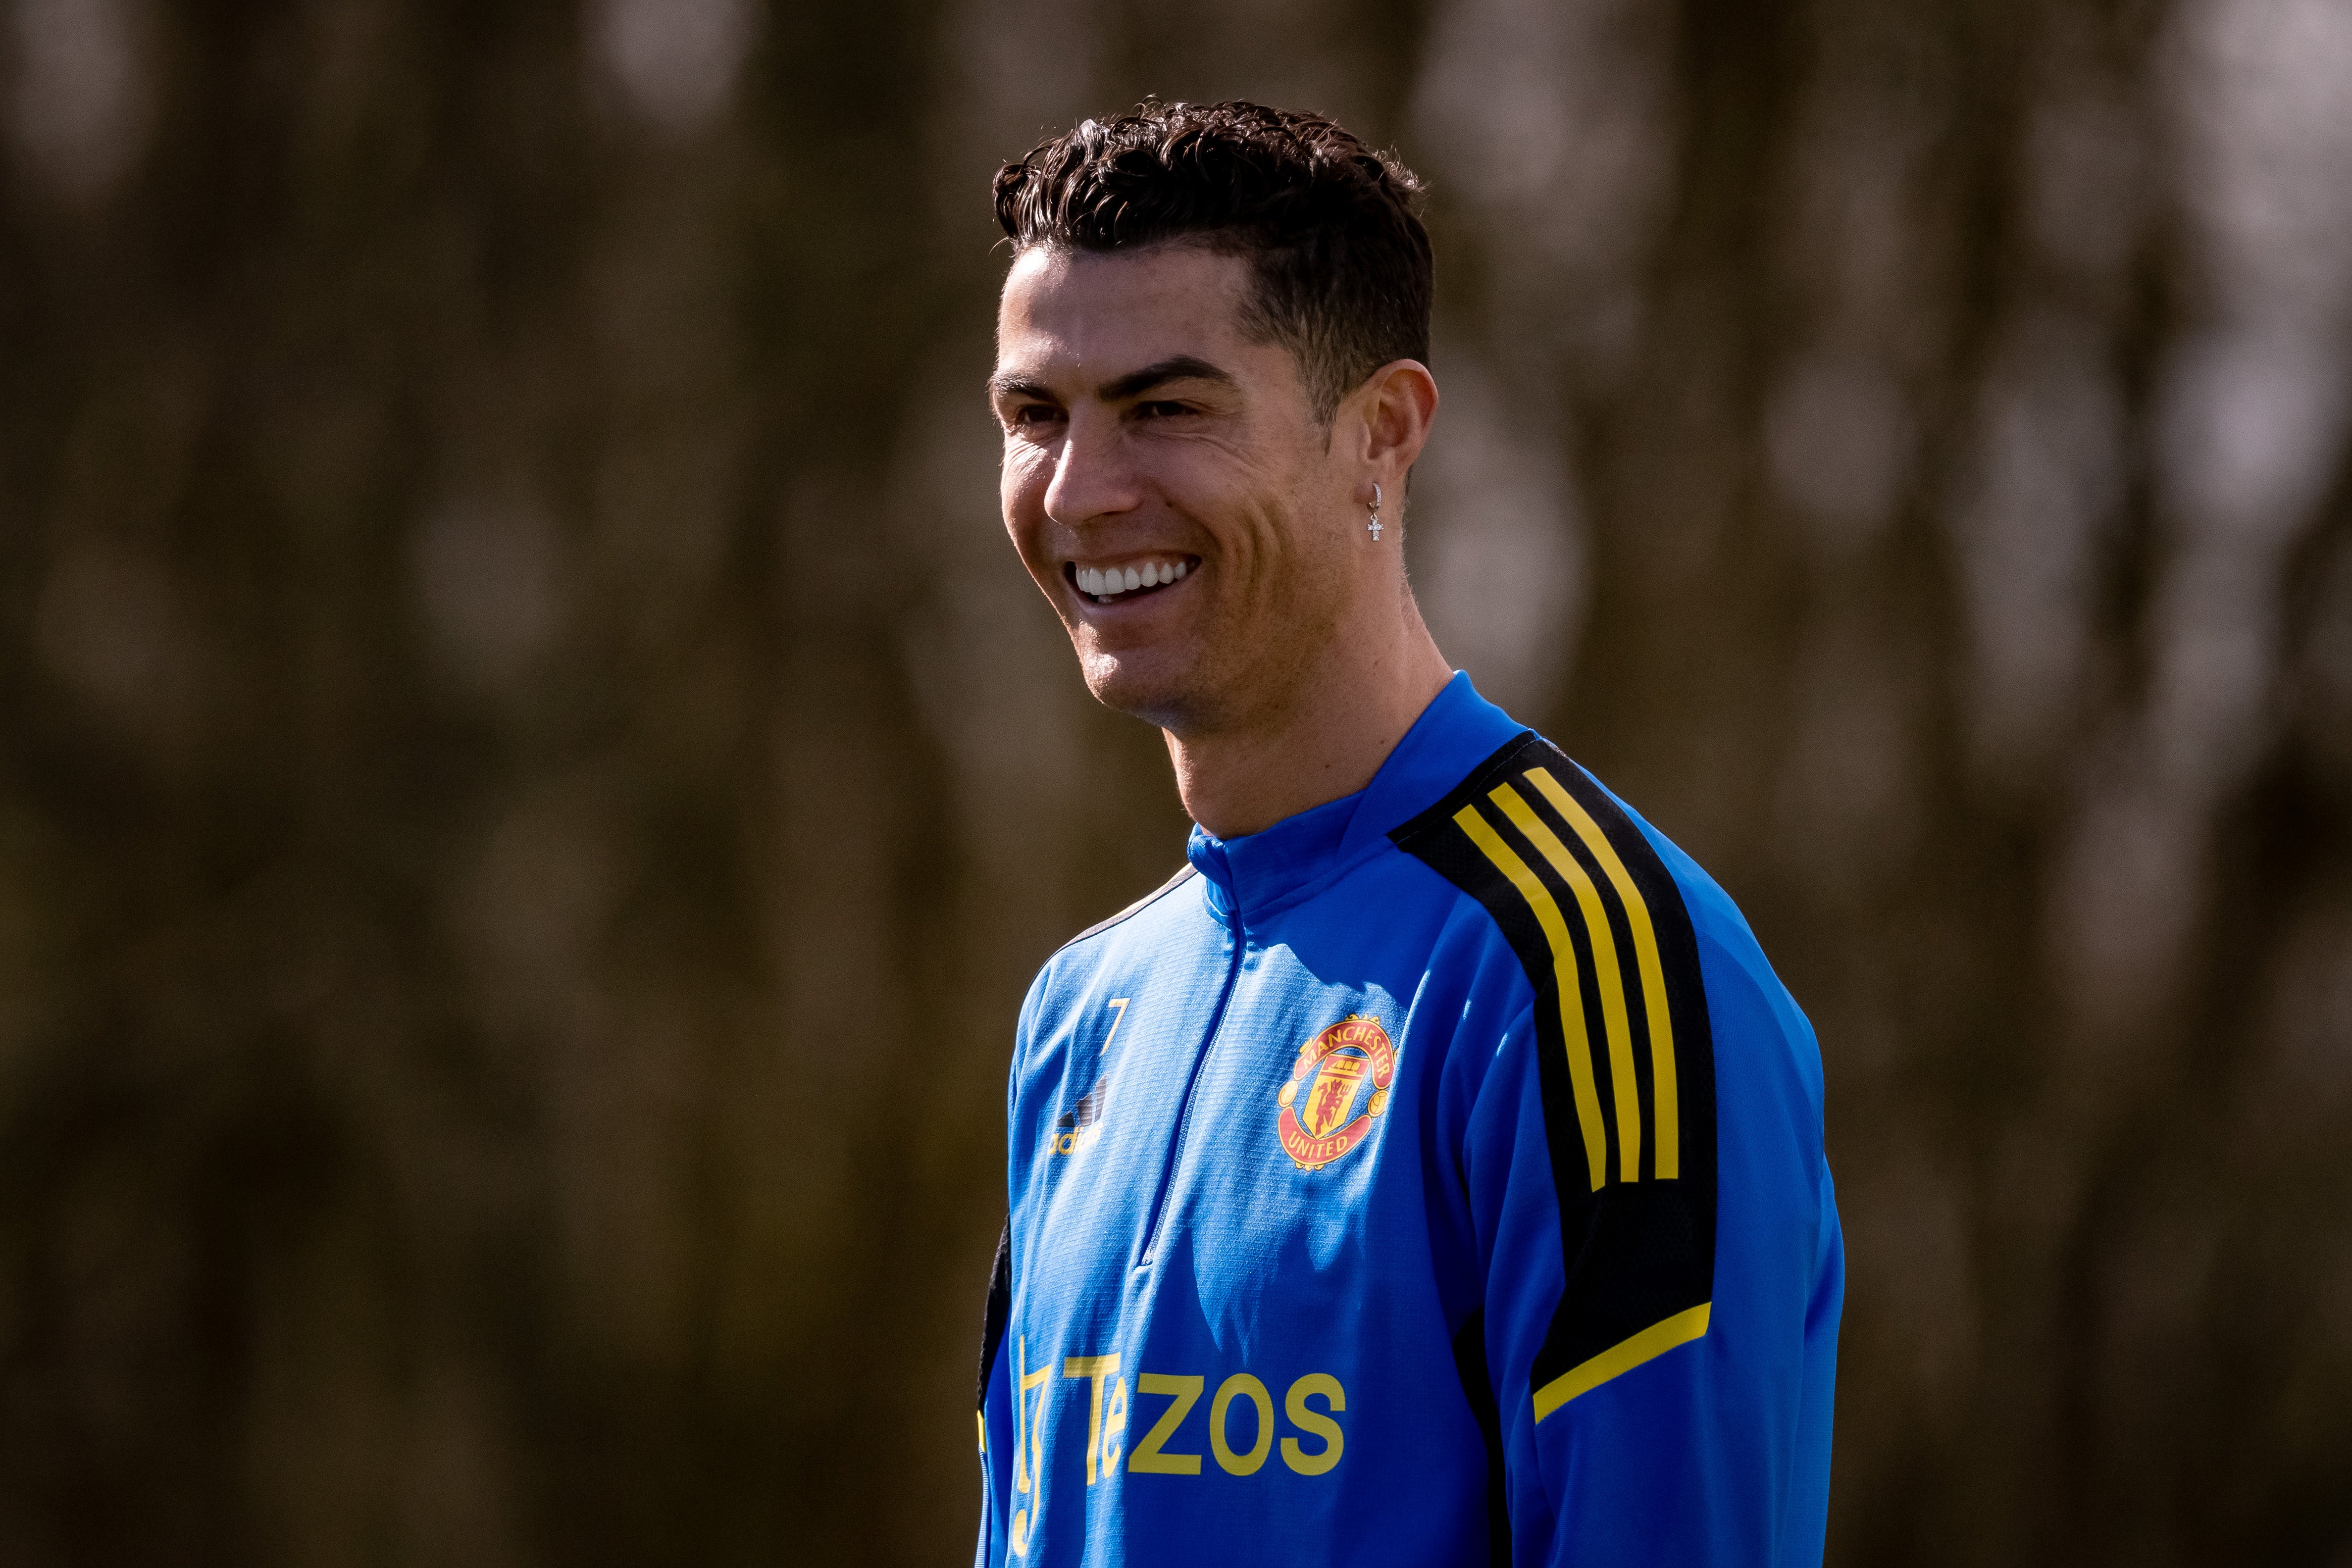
(1162, 410)
(1033, 415)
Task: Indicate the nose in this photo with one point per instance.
(1092, 477)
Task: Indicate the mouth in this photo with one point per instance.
(1128, 579)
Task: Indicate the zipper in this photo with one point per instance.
(1184, 1108)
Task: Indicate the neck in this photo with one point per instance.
(1323, 739)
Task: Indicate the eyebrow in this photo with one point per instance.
(1180, 368)
(1176, 368)
(1018, 386)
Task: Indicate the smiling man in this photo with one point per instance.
(1431, 1173)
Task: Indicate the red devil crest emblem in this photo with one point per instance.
(1339, 1085)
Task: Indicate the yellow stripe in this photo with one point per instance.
(1654, 975)
(1563, 965)
(1623, 1088)
(1623, 1356)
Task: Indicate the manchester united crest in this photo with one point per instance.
(1326, 1109)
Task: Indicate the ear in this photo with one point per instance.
(1392, 411)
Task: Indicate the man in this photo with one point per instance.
(1432, 1172)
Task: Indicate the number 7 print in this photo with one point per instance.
(1120, 1003)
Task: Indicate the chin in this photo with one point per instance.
(1158, 690)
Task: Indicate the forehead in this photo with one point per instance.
(1100, 315)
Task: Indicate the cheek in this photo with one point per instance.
(1020, 485)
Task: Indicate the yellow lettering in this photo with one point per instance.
(1114, 1432)
(1028, 1437)
(1239, 1384)
(1308, 1421)
(1095, 1367)
(1147, 1457)
(1107, 1421)
(1021, 1424)
(1028, 1431)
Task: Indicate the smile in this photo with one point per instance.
(1104, 584)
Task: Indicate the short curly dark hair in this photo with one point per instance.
(1332, 229)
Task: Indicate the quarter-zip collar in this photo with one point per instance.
(1263, 872)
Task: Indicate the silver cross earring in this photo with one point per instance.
(1374, 525)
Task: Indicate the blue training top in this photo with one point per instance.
(1432, 1179)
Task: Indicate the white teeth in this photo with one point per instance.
(1100, 583)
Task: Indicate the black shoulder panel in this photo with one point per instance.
(1000, 1306)
(1626, 1057)
(1470, 1365)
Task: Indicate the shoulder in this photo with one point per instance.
(1759, 1027)
(1153, 923)
(1596, 920)
(1573, 879)
(1184, 873)
(1553, 853)
(1766, 1061)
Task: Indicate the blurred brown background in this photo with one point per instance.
(530, 785)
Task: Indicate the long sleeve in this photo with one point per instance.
(1643, 1167)
(1661, 1348)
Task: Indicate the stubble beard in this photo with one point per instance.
(1241, 667)
(1166, 687)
